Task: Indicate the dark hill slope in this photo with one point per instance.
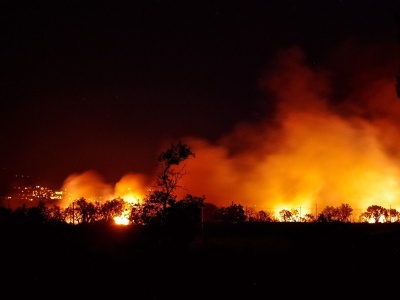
(247, 260)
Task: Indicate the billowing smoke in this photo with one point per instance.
(91, 186)
(318, 150)
(334, 138)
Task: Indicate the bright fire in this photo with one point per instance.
(122, 220)
(333, 139)
(91, 186)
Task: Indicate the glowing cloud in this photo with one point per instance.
(131, 188)
(333, 139)
(317, 151)
(91, 186)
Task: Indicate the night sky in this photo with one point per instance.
(107, 85)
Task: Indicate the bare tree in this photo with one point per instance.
(171, 171)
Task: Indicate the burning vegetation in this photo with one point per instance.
(161, 206)
(330, 138)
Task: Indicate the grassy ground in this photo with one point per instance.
(247, 261)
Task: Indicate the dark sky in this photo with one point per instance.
(105, 85)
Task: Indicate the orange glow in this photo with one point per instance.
(121, 220)
(316, 151)
(312, 154)
(91, 186)
(131, 188)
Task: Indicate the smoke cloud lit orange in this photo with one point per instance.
(91, 186)
(314, 153)
(324, 146)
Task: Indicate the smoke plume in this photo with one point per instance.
(333, 139)
(323, 147)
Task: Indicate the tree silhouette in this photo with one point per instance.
(183, 219)
(308, 218)
(170, 173)
(295, 215)
(374, 214)
(5, 214)
(286, 215)
(111, 209)
(38, 214)
(210, 213)
(20, 214)
(263, 216)
(344, 212)
(329, 214)
(81, 211)
(56, 214)
(232, 214)
(393, 215)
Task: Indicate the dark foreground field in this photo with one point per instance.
(248, 261)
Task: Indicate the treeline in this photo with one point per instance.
(162, 208)
(191, 211)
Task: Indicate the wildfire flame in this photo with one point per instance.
(122, 220)
(333, 139)
(316, 151)
(91, 186)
